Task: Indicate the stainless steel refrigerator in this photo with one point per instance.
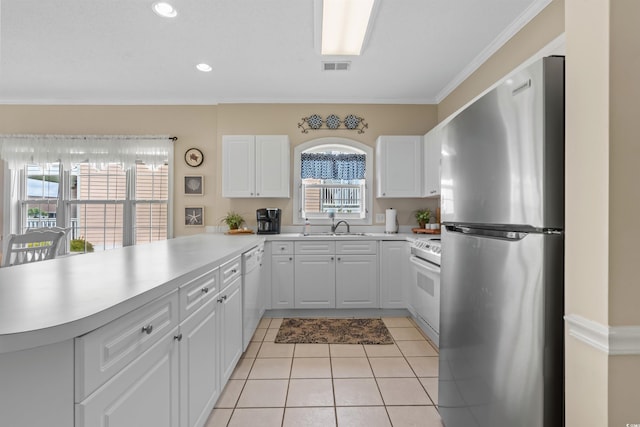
(501, 325)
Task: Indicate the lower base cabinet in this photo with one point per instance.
(315, 281)
(199, 351)
(282, 281)
(356, 281)
(145, 393)
(394, 267)
(230, 328)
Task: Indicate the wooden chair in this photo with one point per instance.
(32, 246)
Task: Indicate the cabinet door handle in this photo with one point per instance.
(331, 258)
(339, 258)
(147, 329)
(234, 271)
(178, 337)
(257, 194)
(224, 297)
(205, 290)
(220, 300)
(290, 258)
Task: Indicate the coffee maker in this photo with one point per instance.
(268, 220)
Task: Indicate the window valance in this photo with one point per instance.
(333, 166)
(19, 150)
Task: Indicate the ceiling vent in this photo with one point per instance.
(336, 66)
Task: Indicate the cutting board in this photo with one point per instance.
(425, 231)
(247, 231)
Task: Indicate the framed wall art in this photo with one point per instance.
(193, 185)
(194, 216)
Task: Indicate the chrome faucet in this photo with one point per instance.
(342, 221)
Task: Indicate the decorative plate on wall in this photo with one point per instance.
(351, 121)
(193, 157)
(314, 121)
(332, 121)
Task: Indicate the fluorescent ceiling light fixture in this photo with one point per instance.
(204, 67)
(344, 25)
(165, 10)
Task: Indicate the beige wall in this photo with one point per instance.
(203, 127)
(587, 170)
(195, 126)
(265, 119)
(624, 201)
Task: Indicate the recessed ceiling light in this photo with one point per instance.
(204, 67)
(165, 10)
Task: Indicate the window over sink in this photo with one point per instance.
(332, 175)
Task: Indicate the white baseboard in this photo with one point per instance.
(613, 340)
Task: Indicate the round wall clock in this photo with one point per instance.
(193, 157)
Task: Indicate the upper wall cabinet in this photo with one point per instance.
(432, 161)
(399, 166)
(255, 166)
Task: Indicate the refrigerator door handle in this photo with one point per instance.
(494, 234)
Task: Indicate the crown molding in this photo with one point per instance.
(523, 19)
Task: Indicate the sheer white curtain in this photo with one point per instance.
(19, 150)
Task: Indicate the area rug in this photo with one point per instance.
(333, 331)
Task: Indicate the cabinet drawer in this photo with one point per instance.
(102, 353)
(144, 393)
(281, 248)
(229, 271)
(197, 292)
(315, 247)
(366, 247)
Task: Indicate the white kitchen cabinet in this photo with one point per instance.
(356, 281)
(432, 161)
(315, 281)
(144, 393)
(282, 281)
(199, 348)
(230, 301)
(103, 353)
(255, 166)
(399, 164)
(336, 274)
(393, 273)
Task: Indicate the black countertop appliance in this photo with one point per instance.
(268, 220)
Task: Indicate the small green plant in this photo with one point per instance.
(80, 245)
(233, 220)
(36, 213)
(423, 216)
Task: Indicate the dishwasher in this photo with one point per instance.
(253, 296)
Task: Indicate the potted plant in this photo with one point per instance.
(234, 220)
(423, 216)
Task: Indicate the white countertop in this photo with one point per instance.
(55, 300)
(318, 236)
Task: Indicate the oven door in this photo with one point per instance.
(425, 295)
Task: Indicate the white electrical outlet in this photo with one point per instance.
(380, 218)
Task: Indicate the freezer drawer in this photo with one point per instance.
(501, 331)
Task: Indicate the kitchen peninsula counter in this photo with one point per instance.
(56, 300)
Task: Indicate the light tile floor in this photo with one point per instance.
(307, 385)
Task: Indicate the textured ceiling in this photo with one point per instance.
(120, 52)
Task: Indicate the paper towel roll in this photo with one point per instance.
(391, 222)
